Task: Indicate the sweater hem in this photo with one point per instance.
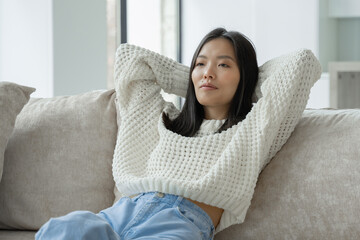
(234, 213)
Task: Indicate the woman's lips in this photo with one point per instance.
(208, 87)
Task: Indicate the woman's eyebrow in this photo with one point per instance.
(219, 57)
(226, 57)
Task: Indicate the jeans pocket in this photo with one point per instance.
(189, 217)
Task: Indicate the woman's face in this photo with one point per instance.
(216, 77)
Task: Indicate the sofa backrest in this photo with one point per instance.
(310, 189)
(59, 159)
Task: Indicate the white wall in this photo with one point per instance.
(80, 46)
(201, 16)
(328, 36)
(348, 39)
(275, 27)
(344, 8)
(26, 44)
(57, 46)
(320, 93)
(283, 26)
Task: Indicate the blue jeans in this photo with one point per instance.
(151, 215)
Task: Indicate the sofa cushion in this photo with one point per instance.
(310, 189)
(59, 159)
(17, 235)
(13, 97)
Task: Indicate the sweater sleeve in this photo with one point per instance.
(287, 81)
(140, 74)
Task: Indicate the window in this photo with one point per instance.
(152, 24)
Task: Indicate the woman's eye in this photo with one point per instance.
(199, 64)
(223, 65)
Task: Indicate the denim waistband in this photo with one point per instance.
(178, 201)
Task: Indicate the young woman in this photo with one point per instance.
(191, 173)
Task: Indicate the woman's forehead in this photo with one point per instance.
(219, 48)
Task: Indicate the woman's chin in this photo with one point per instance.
(207, 104)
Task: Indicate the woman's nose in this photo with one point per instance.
(209, 73)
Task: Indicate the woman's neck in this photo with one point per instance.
(213, 113)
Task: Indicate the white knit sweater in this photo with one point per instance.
(218, 169)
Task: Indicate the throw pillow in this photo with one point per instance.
(13, 97)
(59, 159)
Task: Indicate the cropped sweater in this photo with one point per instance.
(219, 169)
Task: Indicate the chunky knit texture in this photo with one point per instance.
(219, 169)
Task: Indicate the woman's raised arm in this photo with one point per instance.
(140, 74)
(285, 92)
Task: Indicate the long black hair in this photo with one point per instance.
(188, 122)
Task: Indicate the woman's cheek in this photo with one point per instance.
(196, 75)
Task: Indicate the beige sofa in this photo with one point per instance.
(56, 155)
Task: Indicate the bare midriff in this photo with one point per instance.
(213, 212)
